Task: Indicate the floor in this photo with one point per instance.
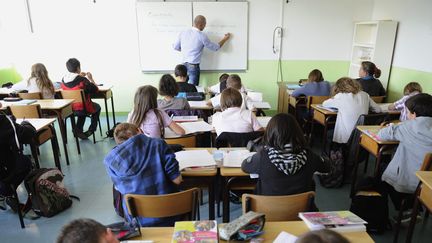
(86, 177)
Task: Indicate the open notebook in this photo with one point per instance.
(235, 158)
(190, 128)
(194, 158)
(261, 105)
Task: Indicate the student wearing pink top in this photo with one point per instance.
(233, 118)
(147, 117)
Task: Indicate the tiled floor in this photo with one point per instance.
(86, 177)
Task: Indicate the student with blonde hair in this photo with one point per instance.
(37, 82)
(351, 102)
(315, 86)
(146, 115)
(411, 89)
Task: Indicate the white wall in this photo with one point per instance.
(414, 38)
(103, 36)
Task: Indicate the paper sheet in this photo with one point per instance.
(235, 158)
(285, 237)
(198, 104)
(263, 120)
(194, 127)
(185, 118)
(255, 96)
(194, 158)
(261, 105)
(200, 89)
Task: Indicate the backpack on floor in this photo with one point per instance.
(335, 176)
(371, 205)
(47, 192)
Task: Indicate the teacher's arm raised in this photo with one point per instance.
(214, 46)
(224, 39)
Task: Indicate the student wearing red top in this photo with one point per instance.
(74, 80)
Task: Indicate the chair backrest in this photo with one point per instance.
(316, 100)
(31, 96)
(278, 208)
(378, 99)
(159, 206)
(187, 141)
(234, 139)
(427, 163)
(77, 95)
(26, 111)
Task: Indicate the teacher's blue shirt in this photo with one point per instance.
(191, 43)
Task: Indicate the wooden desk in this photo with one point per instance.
(283, 96)
(61, 108)
(105, 93)
(423, 196)
(41, 125)
(271, 231)
(374, 146)
(324, 117)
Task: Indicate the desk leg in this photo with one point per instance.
(211, 197)
(413, 220)
(35, 156)
(55, 147)
(225, 203)
(106, 111)
(63, 132)
(72, 119)
(354, 175)
(112, 108)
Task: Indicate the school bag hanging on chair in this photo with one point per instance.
(336, 162)
(47, 192)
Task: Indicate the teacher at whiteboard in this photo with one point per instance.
(191, 44)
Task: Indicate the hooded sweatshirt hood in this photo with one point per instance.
(285, 160)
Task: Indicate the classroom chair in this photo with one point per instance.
(356, 153)
(188, 141)
(378, 99)
(31, 96)
(311, 100)
(34, 111)
(279, 208)
(168, 205)
(78, 97)
(421, 198)
(234, 139)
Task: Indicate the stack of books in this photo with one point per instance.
(341, 221)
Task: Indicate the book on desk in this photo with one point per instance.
(340, 221)
(195, 231)
(194, 159)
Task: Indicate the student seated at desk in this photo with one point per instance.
(284, 165)
(315, 86)
(182, 80)
(221, 86)
(233, 118)
(369, 82)
(14, 166)
(169, 89)
(145, 114)
(38, 82)
(411, 89)
(415, 140)
(86, 231)
(233, 81)
(75, 80)
(142, 165)
(351, 102)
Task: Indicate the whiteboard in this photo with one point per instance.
(160, 23)
(225, 17)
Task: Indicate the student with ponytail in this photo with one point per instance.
(369, 74)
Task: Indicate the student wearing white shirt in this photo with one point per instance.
(233, 81)
(219, 87)
(38, 82)
(351, 102)
(233, 118)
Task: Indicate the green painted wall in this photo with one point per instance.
(401, 76)
(9, 75)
